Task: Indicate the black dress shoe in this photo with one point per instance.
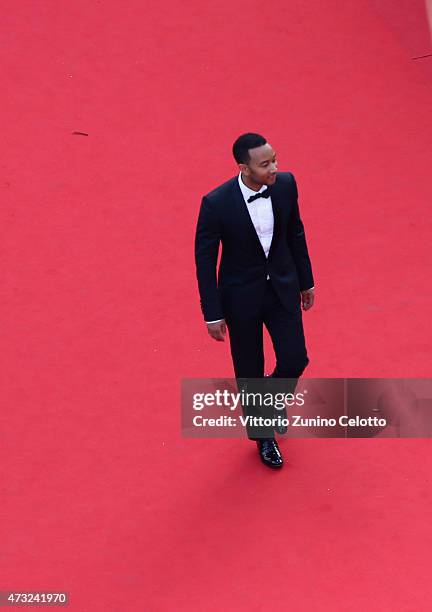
(280, 415)
(270, 453)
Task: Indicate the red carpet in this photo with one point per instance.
(101, 495)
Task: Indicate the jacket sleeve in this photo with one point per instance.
(207, 239)
(297, 242)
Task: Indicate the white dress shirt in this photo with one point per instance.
(261, 214)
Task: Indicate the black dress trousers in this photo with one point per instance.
(247, 349)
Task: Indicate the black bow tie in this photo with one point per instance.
(263, 194)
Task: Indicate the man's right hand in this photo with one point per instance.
(217, 330)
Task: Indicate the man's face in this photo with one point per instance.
(262, 166)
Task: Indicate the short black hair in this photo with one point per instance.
(244, 143)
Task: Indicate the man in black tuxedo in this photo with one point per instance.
(265, 274)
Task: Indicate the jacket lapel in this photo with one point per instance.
(275, 198)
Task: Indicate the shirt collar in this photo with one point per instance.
(246, 191)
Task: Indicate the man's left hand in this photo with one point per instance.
(307, 298)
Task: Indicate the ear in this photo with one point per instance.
(244, 169)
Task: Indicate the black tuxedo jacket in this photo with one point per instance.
(240, 284)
